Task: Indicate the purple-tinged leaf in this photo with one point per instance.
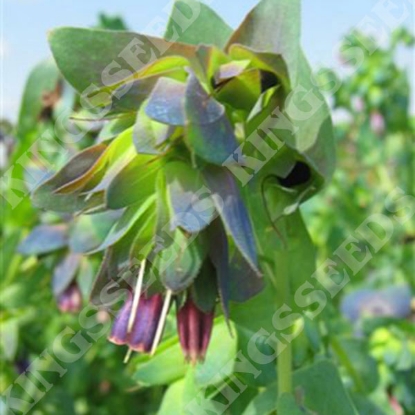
(180, 263)
(219, 255)
(209, 132)
(44, 239)
(89, 231)
(204, 290)
(76, 172)
(148, 134)
(229, 71)
(244, 282)
(231, 208)
(64, 273)
(191, 204)
(166, 102)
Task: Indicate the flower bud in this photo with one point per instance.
(70, 301)
(195, 329)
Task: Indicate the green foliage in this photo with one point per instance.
(196, 152)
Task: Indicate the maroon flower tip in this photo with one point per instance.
(70, 301)
(119, 333)
(195, 329)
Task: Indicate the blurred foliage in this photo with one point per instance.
(343, 365)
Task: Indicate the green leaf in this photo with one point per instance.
(219, 362)
(263, 404)
(42, 80)
(355, 357)
(89, 231)
(64, 273)
(134, 183)
(323, 389)
(180, 263)
(44, 239)
(219, 255)
(125, 223)
(172, 403)
(232, 210)
(209, 133)
(243, 281)
(242, 91)
(272, 26)
(166, 366)
(115, 127)
(204, 290)
(286, 405)
(149, 134)
(9, 338)
(194, 23)
(191, 205)
(105, 51)
(80, 167)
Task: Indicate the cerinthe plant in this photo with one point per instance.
(213, 139)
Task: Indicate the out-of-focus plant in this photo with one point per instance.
(376, 152)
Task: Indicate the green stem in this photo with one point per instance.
(285, 382)
(284, 350)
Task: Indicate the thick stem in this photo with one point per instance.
(284, 361)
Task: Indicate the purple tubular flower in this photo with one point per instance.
(70, 301)
(195, 329)
(146, 322)
(119, 333)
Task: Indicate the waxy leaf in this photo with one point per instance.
(64, 273)
(244, 282)
(265, 61)
(191, 204)
(125, 223)
(227, 198)
(194, 23)
(115, 127)
(180, 263)
(89, 231)
(149, 134)
(112, 56)
(134, 183)
(81, 165)
(166, 102)
(272, 27)
(209, 132)
(219, 255)
(242, 91)
(204, 290)
(44, 239)
(229, 70)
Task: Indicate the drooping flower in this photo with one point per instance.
(195, 329)
(138, 328)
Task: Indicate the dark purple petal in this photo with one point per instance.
(146, 321)
(119, 329)
(195, 329)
